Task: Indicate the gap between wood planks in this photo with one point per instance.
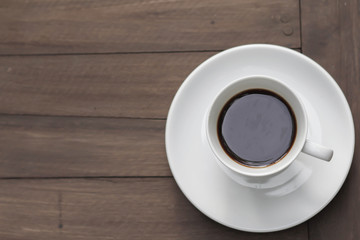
(80, 177)
(118, 53)
(74, 116)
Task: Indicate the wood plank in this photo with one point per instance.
(73, 147)
(110, 209)
(125, 85)
(76, 26)
(331, 36)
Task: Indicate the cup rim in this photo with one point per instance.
(272, 168)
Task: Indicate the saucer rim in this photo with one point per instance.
(295, 54)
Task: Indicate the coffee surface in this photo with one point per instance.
(256, 128)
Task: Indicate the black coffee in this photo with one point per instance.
(256, 128)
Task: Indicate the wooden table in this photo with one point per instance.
(85, 89)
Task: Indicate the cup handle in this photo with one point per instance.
(317, 150)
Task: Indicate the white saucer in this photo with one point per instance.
(221, 197)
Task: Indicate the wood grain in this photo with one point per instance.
(57, 112)
(110, 209)
(331, 36)
(125, 85)
(82, 26)
(74, 147)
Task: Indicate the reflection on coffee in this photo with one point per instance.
(256, 128)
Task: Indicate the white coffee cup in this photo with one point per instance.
(300, 143)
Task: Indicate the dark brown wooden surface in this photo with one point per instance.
(85, 87)
(332, 38)
(74, 26)
(134, 208)
(121, 85)
(73, 147)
